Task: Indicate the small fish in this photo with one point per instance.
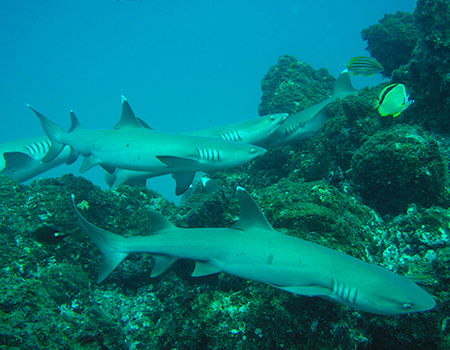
(393, 100)
(367, 66)
(48, 235)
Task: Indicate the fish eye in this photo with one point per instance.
(407, 306)
(253, 150)
(272, 117)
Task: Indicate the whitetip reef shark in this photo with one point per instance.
(21, 159)
(252, 131)
(131, 146)
(253, 250)
(310, 121)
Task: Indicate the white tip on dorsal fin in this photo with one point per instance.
(128, 119)
(250, 215)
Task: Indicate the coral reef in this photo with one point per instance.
(392, 40)
(291, 86)
(131, 311)
(400, 166)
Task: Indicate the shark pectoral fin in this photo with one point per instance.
(178, 162)
(15, 161)
(310, 291)
(183, 180)
(204, 269)
(162, 263)
(88, 162)
(109, 263)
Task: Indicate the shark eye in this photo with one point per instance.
(253, 150)
(407, 306)
(272, 117)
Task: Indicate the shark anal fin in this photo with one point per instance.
(109, 263)
(204, 269)
(162, 263)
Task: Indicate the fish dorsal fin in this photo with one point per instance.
(127, 119)
(250, 215)
(158, 222)
(75, 122)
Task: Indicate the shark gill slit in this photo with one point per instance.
(231, 136)
(344, 292)
(208, 154)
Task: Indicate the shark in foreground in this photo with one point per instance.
(252, 249)
(21, 159)
(131, 146)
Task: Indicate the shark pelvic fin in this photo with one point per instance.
(250, 215)
(162, 263)
(204, 269)
(88, 162)
(128, 119)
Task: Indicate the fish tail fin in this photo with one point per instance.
(343, 86)
(54, 133)
(111, 245)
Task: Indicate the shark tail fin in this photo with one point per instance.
(54, 133)
(343, 86)
(109, 244)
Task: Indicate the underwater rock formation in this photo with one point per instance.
(291, 86)
(415, 48)
(400, 166)
(392, 40)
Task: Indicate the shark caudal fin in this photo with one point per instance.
(343, 86)
(54, 133)
(109, 244)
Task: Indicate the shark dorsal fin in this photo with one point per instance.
(75, 122)
(127, 119)
(158, 222)
(343, 86)
(250, 215)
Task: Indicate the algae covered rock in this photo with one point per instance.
(392, 40)
(400, 166)
(291, 86)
